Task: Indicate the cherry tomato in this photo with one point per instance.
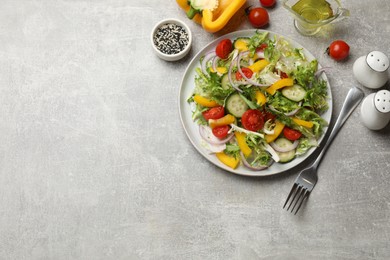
(224, 48)
(338, 50)
(267, 3)
(258, 17)
(269, 116)
(214, 113)
(221, 131)
(283, 75)
(291, 134)
(253, 120)
(262, 47)
(246, 71)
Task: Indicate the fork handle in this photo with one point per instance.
(354, 96)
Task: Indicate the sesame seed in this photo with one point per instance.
(170, 38)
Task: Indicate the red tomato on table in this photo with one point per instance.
(267, 3)
(258, 17)
(338, 50)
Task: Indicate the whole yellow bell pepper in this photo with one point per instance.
(214, 20)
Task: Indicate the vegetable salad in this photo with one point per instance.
(258, 101)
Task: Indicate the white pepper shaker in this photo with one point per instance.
(375, 110)
(371, 70)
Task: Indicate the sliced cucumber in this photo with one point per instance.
(295, 92)
(286, 156)
(225, 83)
(250, 104)
(235, 105)
(285, 143)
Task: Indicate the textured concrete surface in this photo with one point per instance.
(96, 165)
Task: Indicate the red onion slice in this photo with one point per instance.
(293, 112)
(269, 127)
(284, 149)
(215, 62)
(207, 134)
(248, 80)
(273, 153)
(260, 54)
(268, 132)
(206, 58)
(318, 74)
(320, 71)
(230, 75)
(213, 148)
(254, 168)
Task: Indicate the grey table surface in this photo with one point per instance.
(95, 163)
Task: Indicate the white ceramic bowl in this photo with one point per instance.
(170, 47)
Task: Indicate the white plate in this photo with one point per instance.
(192, 129)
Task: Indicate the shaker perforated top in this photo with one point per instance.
(382, 101)
(378, 61)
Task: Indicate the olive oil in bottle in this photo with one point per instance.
(313, 10)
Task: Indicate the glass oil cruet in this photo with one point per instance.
(311, 15)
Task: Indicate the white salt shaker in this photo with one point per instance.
(375, 110)
(371, 70)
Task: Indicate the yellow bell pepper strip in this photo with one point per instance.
(205, 101)
(220, 70)
(226, 120)
(214, 20)
(286, 82)
(260, 98)
(228, 160)
(258, 65)
(241, 45)
(277, 131)
(241, 141)
(304, 123)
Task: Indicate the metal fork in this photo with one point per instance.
(307, 179)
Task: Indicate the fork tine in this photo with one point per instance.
(305, 195)
(289, 195)
(301, 193)
(298, 190)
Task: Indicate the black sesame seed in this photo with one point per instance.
(170, 38)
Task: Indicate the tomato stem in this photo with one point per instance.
(248, 10)
(327, 51)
